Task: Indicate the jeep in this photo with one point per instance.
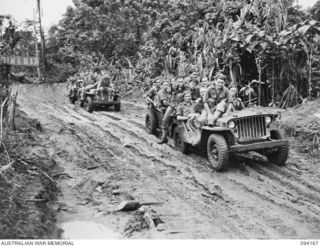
(107, 98)
(250, 129)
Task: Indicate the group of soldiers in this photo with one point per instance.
(199, 103)
(90, 79)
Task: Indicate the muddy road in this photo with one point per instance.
(106, 157)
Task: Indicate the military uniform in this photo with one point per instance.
(185, 108)
(217, 99)
(104, 82)
(152, 93)
(162, 96)
(195, 93)
(177, 94)
(89, 84)
(175, 99)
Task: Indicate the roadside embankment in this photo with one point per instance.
(303, 123)
(26, 187)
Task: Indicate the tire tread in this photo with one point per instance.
(223, 151)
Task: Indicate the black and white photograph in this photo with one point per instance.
(157, 120)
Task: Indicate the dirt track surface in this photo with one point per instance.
(106, 157)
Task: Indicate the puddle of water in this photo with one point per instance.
(87, 230)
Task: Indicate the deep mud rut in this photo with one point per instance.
(106, 157)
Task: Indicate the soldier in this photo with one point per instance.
(186, 80)
(176, 98)
(72, 84)
(87, 77)
(194, 91)
(177, 90)
(185, 109)
(204, 80)
(104, 84)
(237, 102)
(152, 93)
(199, 108)
(186, 112)
(163, 97)
(92, 82)
(216, 99)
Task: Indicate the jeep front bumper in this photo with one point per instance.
(256, 146)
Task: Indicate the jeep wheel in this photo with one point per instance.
(179, 143)
(89, 104)
(72, 99)
(151, 123)
(117, 107)
(281, 155)
(218, 153)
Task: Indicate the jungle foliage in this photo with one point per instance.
(263, 46)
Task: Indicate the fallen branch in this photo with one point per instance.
(5, 150)
(23, 162)
(6, 167)
(315, 142)
(36, 200)
(47, 176)
(61, 174)
(38, 155)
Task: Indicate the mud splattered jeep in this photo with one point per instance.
(106, 98)
(241, 131)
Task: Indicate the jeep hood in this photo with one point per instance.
(247, 112)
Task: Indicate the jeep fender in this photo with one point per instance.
(181, 130)
(207, 131)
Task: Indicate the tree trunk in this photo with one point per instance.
(310, 74)
(258, 62)
(10, 111)
(273, 84)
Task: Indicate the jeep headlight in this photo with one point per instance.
(231, 124)
(268, 119)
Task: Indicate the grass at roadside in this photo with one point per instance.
(303, 123)
(26, 186)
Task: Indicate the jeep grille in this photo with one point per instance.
(251, 128)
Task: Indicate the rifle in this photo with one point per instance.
(148, 99)
(170, 105)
